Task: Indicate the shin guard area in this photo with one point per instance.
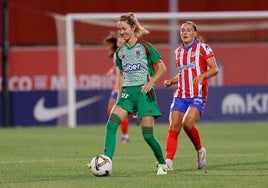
(110, 137)
(149, 137)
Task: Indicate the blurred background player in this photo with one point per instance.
(195, 63)
(113, 41)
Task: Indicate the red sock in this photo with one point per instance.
(171, 144)
(124, 126)
(194, 136)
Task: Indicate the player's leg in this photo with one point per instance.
(172, 141)
(194, 135)
(124, 124)
(151, 140)
(112, 101)
(148, 109)
(112, 124)
(149, 137)
(192, 115)
(177, 109)
(124, 130)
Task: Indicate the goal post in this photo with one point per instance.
(70, 72)
(98, 25)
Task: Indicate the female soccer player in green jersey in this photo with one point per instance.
(140, 67)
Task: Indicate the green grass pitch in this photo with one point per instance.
(237, 156)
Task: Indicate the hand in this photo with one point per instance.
(110, 72)
(167, 83)
(199, 79)
(147, 87)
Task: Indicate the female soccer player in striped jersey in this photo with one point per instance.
(135, 60)
(195, 62)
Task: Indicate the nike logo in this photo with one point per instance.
(42, 113)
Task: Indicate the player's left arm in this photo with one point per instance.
(212, 70)
(160, 70)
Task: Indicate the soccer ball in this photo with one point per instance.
(101, 165)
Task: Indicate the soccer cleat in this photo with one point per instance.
(169, 163)
(162, 169)
(124, 139)
(201, 158)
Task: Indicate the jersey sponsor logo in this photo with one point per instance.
(43, 113)
(131, 67)
(198, 101)
(186, 67)
(236, 104)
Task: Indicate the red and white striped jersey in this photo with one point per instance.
(190, 63)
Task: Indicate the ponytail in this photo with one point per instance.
(131, 19)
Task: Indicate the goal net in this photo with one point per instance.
(238, 39)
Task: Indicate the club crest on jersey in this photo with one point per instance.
(207, 47)
(138, 53)
(131, 67)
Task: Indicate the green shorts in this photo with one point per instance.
(135, 101)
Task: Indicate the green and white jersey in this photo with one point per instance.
(136, 62)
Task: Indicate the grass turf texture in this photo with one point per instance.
(237, 156)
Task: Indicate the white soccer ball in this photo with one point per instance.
(101, 165)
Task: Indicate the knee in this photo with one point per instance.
(175, 126)
(187, 127)
(115, 118)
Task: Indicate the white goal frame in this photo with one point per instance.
(70, 18)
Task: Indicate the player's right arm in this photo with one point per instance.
(168, 83)
(120, 82)
(111, 71)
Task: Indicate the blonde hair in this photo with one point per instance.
(131, 19)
